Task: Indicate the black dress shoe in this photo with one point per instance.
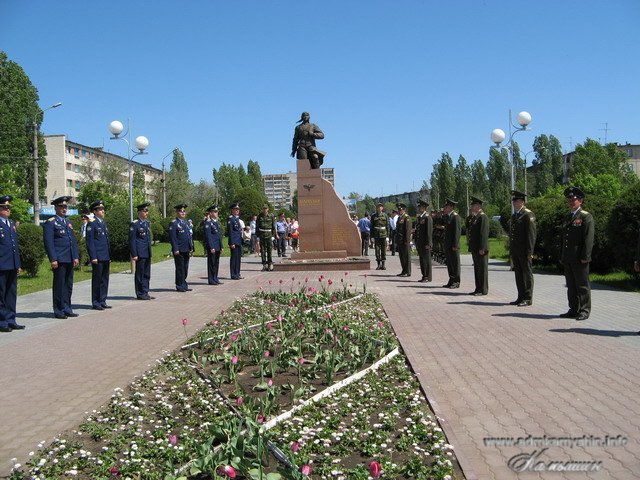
(400, 274)
(479, 294)
(569, 314)
(98, 307)
(525, 303)
(146, 297)
(448, 285)
(423, 280)
(106, 306)
(515, 302)
(474, 292)
(15, 326)
(72, 314)
(5, 329)
(454, 285)
(61, 317)
(149, 297)
(582, 316)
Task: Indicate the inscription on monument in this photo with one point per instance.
(339, 235)
(310, 202)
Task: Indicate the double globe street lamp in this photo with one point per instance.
(498, 135)
(142, 143)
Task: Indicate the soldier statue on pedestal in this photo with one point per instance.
(304, 142)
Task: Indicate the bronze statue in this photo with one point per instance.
(304, 142)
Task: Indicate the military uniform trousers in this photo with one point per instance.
(404, 252)
(236, 261)
(142, 277)
(213, 265)
(425, 263)
(181, 262)
(266, 246)
(62, 288)
(453, 265)
(8, 297)
(524, 277)
(481, 272)
(578, 287)
(99, 283)
(380, 245)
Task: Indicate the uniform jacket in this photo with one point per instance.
(140, 239)
(266, 226)
(452, 230)
(212, 235)
(9, 253)
(403, 229)
(234, 230)
(180, 236)
(60, 241)
(523, 233)
(379, 225)
(424, 231)
(97, 238)
(478, 232)
(577, 237)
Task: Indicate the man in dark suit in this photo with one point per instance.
(478, 240)
(522, 240)
(97, 238)
(62, 250)
(234, 233)
(423, 239)
(212, 245)
(577, 244)
(140, 250)
(451, 243)
(182, 246)
(9, 267)
(403, 239)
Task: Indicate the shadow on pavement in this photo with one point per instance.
(446, 294)
(484, 304)
(525, 315)
(593, 331)
(35, 315)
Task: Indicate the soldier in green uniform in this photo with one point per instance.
(478, 240)
(577, 243)
(403, 240)
(451, 244)
(266, 230)
(379, 233)
(522, 240)
(424, 240)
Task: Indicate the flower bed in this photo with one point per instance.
(201, 412)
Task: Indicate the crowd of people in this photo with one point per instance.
(435, 235)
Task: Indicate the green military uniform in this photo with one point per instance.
(522, 241)
(266, 230)
(379, 233)
(451, 245)
(577, 244)
(403, 241)
(423, 237)
(478, 240)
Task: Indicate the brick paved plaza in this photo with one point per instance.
(489, 369)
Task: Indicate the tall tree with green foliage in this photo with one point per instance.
(479, 182)
(177, 183)
(254, 175)
(499, 177)
(462, 174)
(443, 182)
(592, 158)
(547, 164)
(19, 110)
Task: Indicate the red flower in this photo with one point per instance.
(301, 360)
(261, 418)
(239, 401)
(227, 471)
(266, 354)
(234, 359)
(184, 321)
(173, 439)
(330, 282)
(280, 281)
(306, 469)
(295, 447)
(114, 471)
(375, 469)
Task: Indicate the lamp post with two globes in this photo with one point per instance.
(142, 143)
(498, 136)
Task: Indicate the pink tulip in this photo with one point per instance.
(306, 280)
(266, 354)
(330, 282)
(227, 470)
(239, 401)
(345, 328)
(184, 321)
(306, 469)
(301, 326)
(269, 325)
(221, 312)
(234, 360)
(173, 439)
(233, 338)
(270, 383)
(301, 360)
(280, 281)
(215, 323)
(261, 418)
(375, 469)
(114, 471)
(295, 447)
(268, 299)
(346, 273)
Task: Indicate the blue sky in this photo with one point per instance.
(393, 84)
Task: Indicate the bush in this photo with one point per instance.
(76, 221)
(118, 220)
(623, 227)
(31, 248)
(549, 211)
(495, 229)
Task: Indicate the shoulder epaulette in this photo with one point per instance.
(585, 212)
(136, 220)
(52, 219)
(174, 220)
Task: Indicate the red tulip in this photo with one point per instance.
(184, 321)
(228, 471)
(375, 469)
(306, 469)
(295, 447)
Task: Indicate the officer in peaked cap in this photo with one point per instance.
(140, 251)
(451, 245)
(522, 241)
(403, 239)
(62, 250)
(234, 234)
(9, 267)
(577, 244)
(213, 244)
(181, 237)
(424, 240)
(97, 238)
(478, 240)
(379, 233)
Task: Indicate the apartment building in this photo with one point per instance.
(72, 164)
(280, 187)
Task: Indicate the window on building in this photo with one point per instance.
(78, 185)
(77, 169)
(70, 183)
(69, 166)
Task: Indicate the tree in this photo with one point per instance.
(462, 174)
(251, 201)
(479, 182)
(443, 182)
(254, 175)
(19, 110)
(177, 183)
(592, 158)
(227, 181)
(547, 164)
(101, 190)
(294, 202)
(203, 195)
(499, 177)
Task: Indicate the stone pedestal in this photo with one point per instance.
(329, 239)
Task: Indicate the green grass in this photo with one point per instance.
(497, 247)
(44, 280)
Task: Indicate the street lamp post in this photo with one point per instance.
(498, 136)
(36, 182)
(142, 143)
(164, 184)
